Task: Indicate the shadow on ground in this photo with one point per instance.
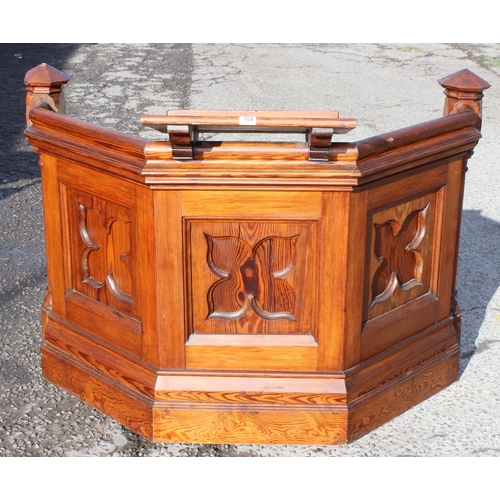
(478, 276)
(15, 61)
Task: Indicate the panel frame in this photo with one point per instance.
(271, 351)
(399, 323)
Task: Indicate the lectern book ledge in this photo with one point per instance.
(251, 292)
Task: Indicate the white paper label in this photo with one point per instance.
(248, 120)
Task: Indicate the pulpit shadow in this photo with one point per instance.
(478, 276)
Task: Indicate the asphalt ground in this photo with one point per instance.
(384, 86)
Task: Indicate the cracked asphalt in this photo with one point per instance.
(384, 86)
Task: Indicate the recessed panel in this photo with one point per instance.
(102, 257)
(251, 276)
(399, 254)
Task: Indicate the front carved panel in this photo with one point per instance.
(101, 253)
(251, 276)
(399, 254)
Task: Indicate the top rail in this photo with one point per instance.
(318, 161)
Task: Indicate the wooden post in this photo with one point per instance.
(464, 90)
(44, 84)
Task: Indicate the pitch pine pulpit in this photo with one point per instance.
(251, 292)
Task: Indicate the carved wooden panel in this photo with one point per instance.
(399, 254)
(102, 256)
(251, 276)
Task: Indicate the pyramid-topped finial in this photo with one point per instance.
(464, 91)
(464, 81)
(44, 84)
(44, 75)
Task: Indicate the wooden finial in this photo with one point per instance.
(464, 90)
(44, 84)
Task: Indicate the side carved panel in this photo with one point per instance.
(397, 248)
(251, 277)
(101, 251)
(399, 255)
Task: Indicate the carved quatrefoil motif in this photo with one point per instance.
(92, 246)
(251, 277)
(396, 248)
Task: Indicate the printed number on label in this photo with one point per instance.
(248, 120)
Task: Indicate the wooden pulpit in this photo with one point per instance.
(258, 291)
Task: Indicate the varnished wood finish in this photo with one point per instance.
(44, 88)
(251, 292)
(251, 121)
(184, 127)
